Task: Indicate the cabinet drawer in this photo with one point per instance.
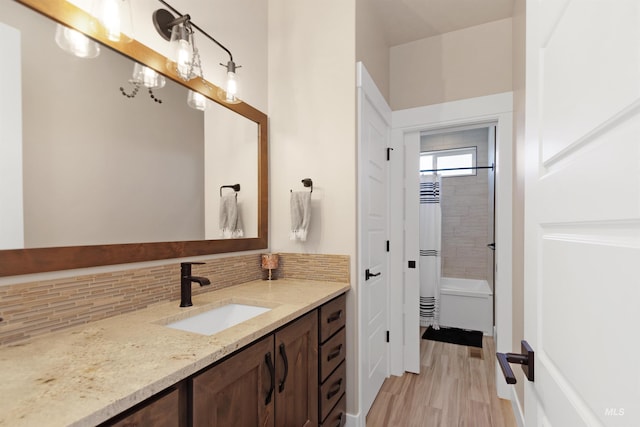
(332, 390)
(332, 317)
(332, 353)
(338, 415)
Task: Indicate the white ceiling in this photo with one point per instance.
(408, 20)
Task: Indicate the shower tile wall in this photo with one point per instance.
(465, 208)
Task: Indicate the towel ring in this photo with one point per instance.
(235, 187)
(307, 182)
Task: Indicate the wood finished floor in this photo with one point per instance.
(455, 388)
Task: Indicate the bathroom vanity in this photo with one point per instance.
(285, 366)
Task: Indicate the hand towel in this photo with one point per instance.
(230, 221)
(300, 214)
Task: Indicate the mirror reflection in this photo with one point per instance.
(95, 161)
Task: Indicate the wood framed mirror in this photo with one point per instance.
(42, 259)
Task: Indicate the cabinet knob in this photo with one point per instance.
(334, 353)
(335, 389)
(334, 316)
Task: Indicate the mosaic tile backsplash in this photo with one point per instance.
(35, 308)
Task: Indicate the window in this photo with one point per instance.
(449, 159)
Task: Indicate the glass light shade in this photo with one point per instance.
(115, 19)
(231, 86)
(229, 92)
(148, 77)
(197, 100)
(182, 51)
(76, 43)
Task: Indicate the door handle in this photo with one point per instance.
(368, 274)
(492, 246)
(525, 359)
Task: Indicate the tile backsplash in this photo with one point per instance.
(35, 308)
(331, 268)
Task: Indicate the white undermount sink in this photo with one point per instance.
(218, 319)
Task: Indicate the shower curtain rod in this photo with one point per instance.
(458, 169)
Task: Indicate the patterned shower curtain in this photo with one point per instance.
(430, 247)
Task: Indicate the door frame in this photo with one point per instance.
(366, 87)
(486, 109)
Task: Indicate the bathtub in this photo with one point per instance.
(466, 304)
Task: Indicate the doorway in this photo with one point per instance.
(407, 127)
(462, 162)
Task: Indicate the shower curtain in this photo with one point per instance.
(430, 246)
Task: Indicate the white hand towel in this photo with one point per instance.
(300, 215)
(230, 221)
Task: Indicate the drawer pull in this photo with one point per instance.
(334, 316)
(283, 353)
(334, 353)
(340, 420)
(335, 389)
(272, 373)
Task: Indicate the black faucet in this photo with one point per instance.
(185, 282)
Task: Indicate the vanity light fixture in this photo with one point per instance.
(231, 88)
(144, 77)
(147, 77)
(76, 43)
(197, 100)
(185, 57)
(115, 19)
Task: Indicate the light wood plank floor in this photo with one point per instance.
(455, 388)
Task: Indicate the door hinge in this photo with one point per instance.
(387, 246)
(387, 336)
(389, 149)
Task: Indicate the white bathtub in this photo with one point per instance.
(466, 304)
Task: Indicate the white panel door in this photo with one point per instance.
(373, 290)
(582, 201)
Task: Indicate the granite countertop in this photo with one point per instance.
(87, 374)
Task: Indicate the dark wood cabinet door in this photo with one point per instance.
(168, 409)
(296, 348)
(236, 392)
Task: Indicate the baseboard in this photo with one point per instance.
(355, 421)
(505, 391)
(517, 409)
